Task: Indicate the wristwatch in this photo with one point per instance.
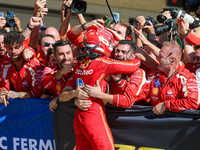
(28, 26)
(83, 26)
(185, 35)
(119, 80)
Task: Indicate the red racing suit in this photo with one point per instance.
(179, 92)
(49, 81)
(191, 67)
(91, 128)
(129, 90)
(28, 79)
(193, 39)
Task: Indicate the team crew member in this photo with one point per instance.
(172, 87)
(45, 43)
(54, 77)
(91, 128)
(23, 76)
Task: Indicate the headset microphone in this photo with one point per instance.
(171, 61)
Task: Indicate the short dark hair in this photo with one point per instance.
(13, 37)
(132, 45)
(46, 35)
(197, 47)
(3, 32)
(60, 43)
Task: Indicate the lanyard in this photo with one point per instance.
(170, 78)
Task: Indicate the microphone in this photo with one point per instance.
(166, 58)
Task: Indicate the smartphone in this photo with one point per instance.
(10, 18)
(1, 14)
(116, 17)
(10, 14)
(105, 19)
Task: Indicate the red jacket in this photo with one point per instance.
(129, 90)
(49, 81)
(28, 79)
(179, 93)
(192, 39)
(191, 67)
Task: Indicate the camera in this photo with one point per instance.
(10, 18)
(147, 21)
(178, 13)
(79, 6)
(169, 25)
(151, 20)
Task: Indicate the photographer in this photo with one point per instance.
(65, 18)
(184, 30)
(2, 22)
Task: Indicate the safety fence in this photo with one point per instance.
(28, 124)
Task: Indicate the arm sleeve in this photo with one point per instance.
(36, 83)
(48, 78)
(26, 42)
(4, 84)
(122, 67)
(121, 85)
(71, 82)
(133, 91)
(75, 39)
(189, 98)
(192, 39)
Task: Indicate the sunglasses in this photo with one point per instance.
(47, 44)
(197, 58)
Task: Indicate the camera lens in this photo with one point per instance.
(79, 6)
(161, 29)
(161, 18)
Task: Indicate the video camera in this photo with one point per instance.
(178, 13)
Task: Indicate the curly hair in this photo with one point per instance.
(13, 37)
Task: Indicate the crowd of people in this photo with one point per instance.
(94, 65)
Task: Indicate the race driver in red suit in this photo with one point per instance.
(91, 129)
(126, 89)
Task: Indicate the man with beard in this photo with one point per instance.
(54, 77)
(126, 89)
(45, 43)
(20, 78)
